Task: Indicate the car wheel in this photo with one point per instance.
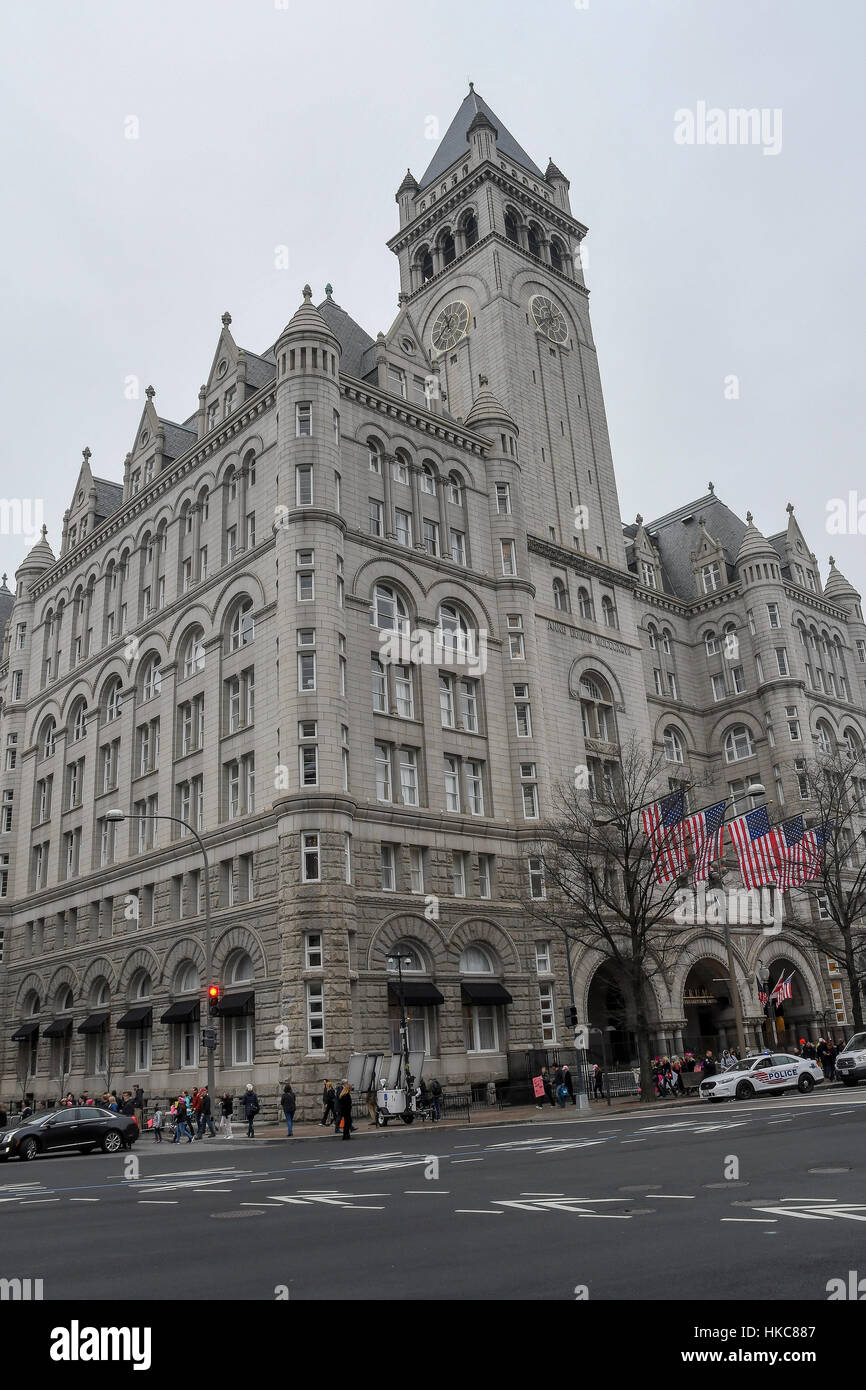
(805, 1084)
(745, 1090)
(407, 1117)
(381, 1120)
(112, 1142)
(27, 1149)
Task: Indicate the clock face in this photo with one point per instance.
(548, 318)
(450, 325)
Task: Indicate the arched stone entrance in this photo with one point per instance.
(794, 1018)
(607, 1009)
(708, 1008)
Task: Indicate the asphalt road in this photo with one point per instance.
(761, 1200)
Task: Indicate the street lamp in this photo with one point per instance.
(115, 816)
(581, 1097)
(404, 1022)
(604, 1032)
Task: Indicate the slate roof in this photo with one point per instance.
(109, 496)
(177, 438)
(677, 533)
(354, 341)
(454, 145)
(260, 370)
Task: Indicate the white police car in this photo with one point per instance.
(777, 1071)
(851, 1062)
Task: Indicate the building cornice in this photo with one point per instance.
(435, 426)
(582, 564)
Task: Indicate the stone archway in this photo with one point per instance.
(708, 1008)
(608, 1010)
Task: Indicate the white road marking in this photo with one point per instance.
(252, 1180)
(208, 1190)
(476, 1211)
(672, 1196)
(84, 1199)
(634, 1141)
(467, 1160)
(145, 1202)
(788, 1121)
(38, 1201)
(749, 1220)
(542, 1194)
(426, 1192)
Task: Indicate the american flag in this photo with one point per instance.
(758, 848)
(763, 996)
(783, 989)
(802, 853)
(705, 829)
(663, 826)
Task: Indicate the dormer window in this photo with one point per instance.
(212, 414)
(648, 574)
(711, 578)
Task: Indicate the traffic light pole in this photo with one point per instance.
(580, 1096)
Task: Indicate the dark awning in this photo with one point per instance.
(484, 992)
(94, 1024)
(140, 1017)
(233, 1005)
(416, 992)
(180, 1012)
(58, 1029)
(26, 1031)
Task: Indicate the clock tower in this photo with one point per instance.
(492, 285)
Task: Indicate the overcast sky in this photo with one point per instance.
(261, 125)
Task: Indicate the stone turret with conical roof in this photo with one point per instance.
(757, 559)
(840, 590)
(6, 602)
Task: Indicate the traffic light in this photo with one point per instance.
(213, 1000)
(571, 1015)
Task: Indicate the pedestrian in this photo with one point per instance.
(181, 1126)
(372, 1111)
(597, 1082)
(709, 1067)
(345, 1108)
(436, 1094)
(194, 1107)
(251, 1109)
(288, 1102)
(568, 1083)
(205, 1118)
(127, 1105)
(227, 1107)
(338, 1090)
(138, 1103)
(157, 1124)
(548, 1085)
(329, 1102)
(68, 1101)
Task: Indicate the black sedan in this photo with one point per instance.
(82, 1127)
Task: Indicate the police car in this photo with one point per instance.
(755, 1075)
(851, 1062)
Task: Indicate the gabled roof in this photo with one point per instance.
(177, 438)
(454, 144)
(109, 496)
(354, 341)
(677, 533)
(260, 370)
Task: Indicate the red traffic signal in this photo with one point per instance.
(213, 999)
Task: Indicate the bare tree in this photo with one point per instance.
(600, 882)
(23, 1071)
(837, 793)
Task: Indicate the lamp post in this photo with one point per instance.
(604, 1032)
(116, 816)
(753, 791)
(404, 1022)
(581, 1097)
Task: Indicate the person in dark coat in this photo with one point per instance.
(568, 1083)
(128, 1106)
(288, 1101)
(329, 1103)
(205, 1114)
(436, 1094)
(548, 1085)
(709, 1067)
(251, 1109)
(344, 1105)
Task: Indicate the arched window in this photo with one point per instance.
(511, 226)
(79, 721)
(673, 746)
(455, 489)
(425, 263)
(113, 700)
(584, 603)
(448, 251)
(374, 455)
(824, 738)
(470, 229)
(242, 626)
(147, 548)
(596, 709)
(711, 642)
(230, 482)
(533, 239)
(455, 633)
(400, 468)
(428, 479)
(560, 596)
(388, 610)
(412, 961)
(652, 636)
(240, 968)
(65, 999)
(151, 683)
(100, 994)
(853, 744)
(141, 985)
(48, 739)
(666, 641)
(193, 653)
(738, 744)
(31, 1004)
(556, 256)
(475, 961)
(608, 612)
(187, 980)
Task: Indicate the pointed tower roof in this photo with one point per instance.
(754, 545)
(486, 409)
(454, 144)
(7, 599)
(552, 172)
(409, 183)
(307, 319)
(838, 588)
(41, 557)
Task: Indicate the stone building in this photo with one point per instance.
(353, 620)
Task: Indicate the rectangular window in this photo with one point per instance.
(711, 578)
(782, 661)
(529, 791)
(548, 1016)
(738, 678)
(409, 776)
(657, 681)
(416, 869)
(379, 686)
(516, 649)
(347, 856)
(452, 784)
(337, 427)
(375, 517)
(383, 772)
(315, 1016)
(303, 485)
(648, 575)
(718, 682)
(475, 788)
(503, 499)
(397, 381)
(303, 419)
(403, 527)
(485, 862)
(306, 671)
(458, 873)
(861, 650)
(672, 685)
(313, 950)
(446, 701)
(386, 868)
(308, 755)
(467, 692)
(458, 547)
(309, 857)
(793, 723)
(509, 558)
(522, 711)
(773, 614)
(431, 537)
(780, 788)
(403, 694)
(759, 670)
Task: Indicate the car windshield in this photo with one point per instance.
(745, 1065)
(36, 1118)
(855, 1044)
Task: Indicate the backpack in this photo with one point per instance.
(562, 1092)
